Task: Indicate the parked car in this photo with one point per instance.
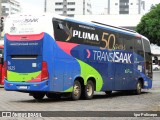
(156, 67)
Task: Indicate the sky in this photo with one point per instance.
(97, 5)
(32, 5)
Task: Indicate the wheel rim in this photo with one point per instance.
(89, 89)
(139, 87)
(76, 90)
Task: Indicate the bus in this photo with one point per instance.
(50, 55)
(1, 64)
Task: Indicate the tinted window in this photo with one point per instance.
(119, 42)
(126, 42)
(80, 33)
(138, 47)
(129, 44)
(72, 32)
(148, 58)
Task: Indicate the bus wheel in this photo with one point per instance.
(108, 92)
(138, 88)
(76, 93)
(38, 96)
(53, 95)
(89, 90)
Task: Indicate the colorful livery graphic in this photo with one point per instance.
(52, 55)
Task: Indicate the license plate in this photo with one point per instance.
(23, 87)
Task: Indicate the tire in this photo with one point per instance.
(38, 96)
(53, 95)
(108, 92)
(76, 93)
(89, 90)
(138, 88)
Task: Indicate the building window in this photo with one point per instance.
(71, 3)
(124, 3)
(116, 3)
(71, 9)
(58, 3)
(70, 15)
(124, 7)
(131, 3)
(58, 9)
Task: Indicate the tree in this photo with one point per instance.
(149, 25)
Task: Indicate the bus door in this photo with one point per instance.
(138, 59)
(129, 66)
(124, 63)
(119, 53)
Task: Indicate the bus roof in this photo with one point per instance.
(105, 26)
(13, 20)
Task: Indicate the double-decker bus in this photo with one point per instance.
(1, 63)
(53, 55)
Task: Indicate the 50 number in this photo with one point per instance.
(110, 37)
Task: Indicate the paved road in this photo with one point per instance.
(149, 100)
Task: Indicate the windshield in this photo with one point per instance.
(148, 58)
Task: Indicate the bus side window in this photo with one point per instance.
(119, 45)
(61, 32)
(129, 44)
(138, 47)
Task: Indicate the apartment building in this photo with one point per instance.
(10, 7)
(126, 7)
(69, 7)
